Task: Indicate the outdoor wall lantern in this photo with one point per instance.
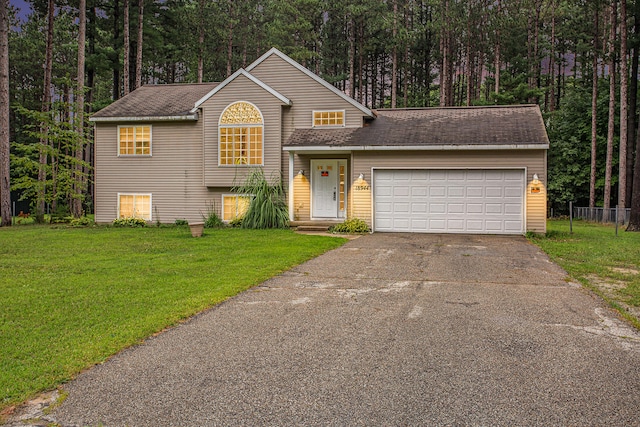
(361, 176)
(535, 184)
(301, 172)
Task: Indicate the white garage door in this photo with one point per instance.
(449, 201)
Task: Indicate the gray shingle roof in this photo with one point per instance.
(157, 101)
(494, 125)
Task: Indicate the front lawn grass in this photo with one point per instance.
(600, 260)
(70, 298)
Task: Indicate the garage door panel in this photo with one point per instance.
(437, 191)
(493, 192)
(493, 208)
(475, 192)
(475, 208)
(419, 190)
(455, 208)
(419, 208)
(512, 209)
(449, 201)
(455, 191)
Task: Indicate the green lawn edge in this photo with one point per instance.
(73, 297)
(601, 261)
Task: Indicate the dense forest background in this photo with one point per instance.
(577, 59)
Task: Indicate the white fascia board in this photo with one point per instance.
(329, 148)
(232, 77)
(315, 77)
(188, 117)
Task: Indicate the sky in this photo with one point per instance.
(23, 7)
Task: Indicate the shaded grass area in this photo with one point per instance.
(597, 258)
(70, 298)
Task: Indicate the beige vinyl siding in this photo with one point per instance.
(241, 89)
(533, 160)
(172, 175)
(305, 93)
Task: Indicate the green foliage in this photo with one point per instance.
(83, 221)
(569, 154)
(87, 293)
(212, 220)
(129, 222)
(268, 208)
(351, 226)
(181, 222)
(236, 222)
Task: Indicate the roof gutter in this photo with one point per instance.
(181, 118)
(330, 148)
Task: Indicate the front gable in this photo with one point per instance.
(241, 87)
(307, 91)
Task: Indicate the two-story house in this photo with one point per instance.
(167, 152)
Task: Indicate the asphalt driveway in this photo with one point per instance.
(390, 329)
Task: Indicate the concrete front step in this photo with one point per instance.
(312, 228)
(312, 225)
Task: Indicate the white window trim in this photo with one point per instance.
(137, 194)
(134, 129)
(222, 204)
(241, 125)
(344, 119)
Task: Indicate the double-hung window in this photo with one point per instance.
(134, 140)
(241, 130)
(234, 206)
(134, 206)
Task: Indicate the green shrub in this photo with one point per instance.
(129, 222)
(236, 222)
(181, 222)
(351, 226)
(83, 221)
(211, 219)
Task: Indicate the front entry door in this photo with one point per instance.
(325, 187)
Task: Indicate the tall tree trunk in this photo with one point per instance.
(5, 185)
(469, 70)
(496, 88)
(126, 48)
(594, 111)
(612, 105)
(139, 52)
(624, 84)
(552, 95)
(201, 42)
(444, 54)
(79, 181)
(394, 57)
(116, 48)
(634, 220)
(230, 40)
(351, 36)
(46, 107)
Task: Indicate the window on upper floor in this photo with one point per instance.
(134, 140)
(328, 118)
(134, 206)
(234, 206)
(241, 135)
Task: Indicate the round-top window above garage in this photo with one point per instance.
(487, 201)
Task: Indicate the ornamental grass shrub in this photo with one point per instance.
(268, 208)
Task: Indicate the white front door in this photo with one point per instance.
(326, 188)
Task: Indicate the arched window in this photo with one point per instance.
(240, 129)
